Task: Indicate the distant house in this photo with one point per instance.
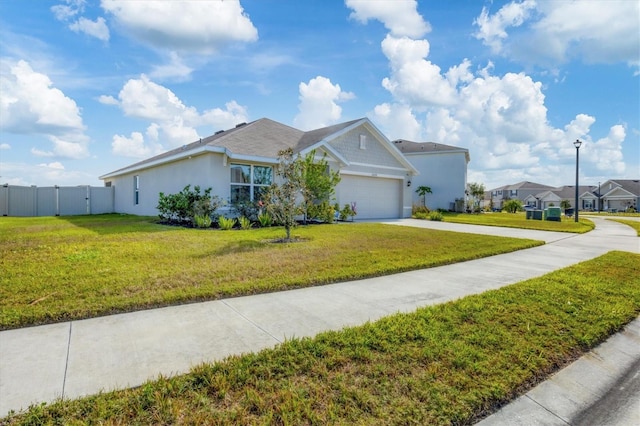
(553, 197)
(238, 164)
(616, 195)
(619, 194)
(443, 168)
(519, 191)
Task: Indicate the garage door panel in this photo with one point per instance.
(375, 198)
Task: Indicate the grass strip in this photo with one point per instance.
(446, 364)
(519, 220)
(632, 223)
(57, 269)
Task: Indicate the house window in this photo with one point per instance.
(363, 141)
(249, 183)
(136, 190)
(513, 193)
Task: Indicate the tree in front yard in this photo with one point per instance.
(513, 205)
(476, 192)
(422, 192)
(319, 186)
(284, 198)
(565, 205)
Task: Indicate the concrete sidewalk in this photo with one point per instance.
(80, 358)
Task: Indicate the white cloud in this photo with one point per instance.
(319, 103)
(201, 27)
(133, 146)
(414, 80)
(552, 32)
(175, 69)
(4, 146)
(400, 17)
(67, 12)
(64, 12)
(97, 28)
(108, 100)
(398, 120)
(31, 105)
(171, 122)
(501, 119)
(492, 29)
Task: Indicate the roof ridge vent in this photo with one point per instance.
(244, 123)
(218, 132)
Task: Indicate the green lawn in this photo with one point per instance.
(447, 364)
(56, 269)
(519, 220)
(632, 223)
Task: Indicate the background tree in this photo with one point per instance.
(319, 186)
(513, 205)
(422, 192)
(285, 195)
(476, 192)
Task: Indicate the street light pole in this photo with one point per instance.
(599, 195)
(577, 144)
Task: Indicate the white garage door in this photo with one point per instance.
(376, 198)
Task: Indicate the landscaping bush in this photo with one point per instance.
(436, 216)
(265, 220)
(226, 223)
(202, 221)
(348, 211)
(183, 207)
(244, 223)
(513, 206)
(417, 208)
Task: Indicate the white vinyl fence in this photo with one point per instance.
(55, 200)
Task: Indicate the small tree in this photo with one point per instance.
(283, 199)
(422, 192)
(513, 205)
(319, 186)
(476, 192)
(565, 205)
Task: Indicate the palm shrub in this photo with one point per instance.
(265, 219)
(202, 221)
(244, 222)
(226, 223)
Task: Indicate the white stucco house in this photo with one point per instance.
(239, 162)
(443, 168)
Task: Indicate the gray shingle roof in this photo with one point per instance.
(406, 146)
(631, 185)
(262, 138)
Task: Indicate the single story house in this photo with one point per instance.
(554, 197)
(239, 163)
(619, 194)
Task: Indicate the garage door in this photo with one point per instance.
(376, 198)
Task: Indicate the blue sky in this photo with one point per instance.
(90, 86)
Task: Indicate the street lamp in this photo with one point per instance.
(577, 144)
(599, 209)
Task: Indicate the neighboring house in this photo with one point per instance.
(238, 163)
(619, 194)
(520, 191)
(554, 197)
(443, 168)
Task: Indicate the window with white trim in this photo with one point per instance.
(363, 141)
(249, 182)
